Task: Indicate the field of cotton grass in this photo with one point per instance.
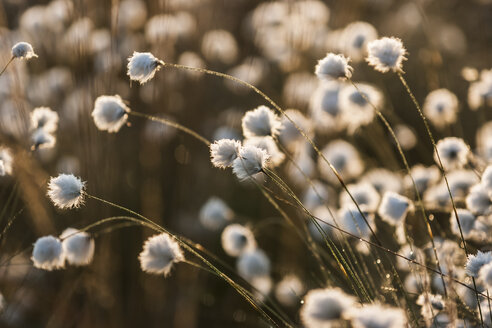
(204, 163)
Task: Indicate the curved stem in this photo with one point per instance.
(281, 111)
(190, 249)
(7, 65)
(172, 124)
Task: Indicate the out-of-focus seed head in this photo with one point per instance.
(48, 253)
(23, 50)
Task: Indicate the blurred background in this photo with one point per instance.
(83, 46)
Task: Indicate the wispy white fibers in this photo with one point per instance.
(237, 239)
(6, 161)
(253, 264)
(453, 153)
(476, 262)
(324, 307)
(251, 161)
(289, 135)
(441, 107)
(142, 66)
(394, 208)
(48, 253)
(215, 213)
(110, 113)
(159, 254)
(289, 290)
(377, 316)
(276, 157)
(485, 275)
(23, 50)
(44, 118)
(223, 152)
(66, 191)
(260, 122)
(78, 246)
(333, 67)
(386, 54)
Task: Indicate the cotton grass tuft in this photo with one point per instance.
(78, 246)
(66, 191)
(333, 67)
(110, 113)
(159, 254)
(142, 66)
(48, 253)
(23, 50)
(386, 54)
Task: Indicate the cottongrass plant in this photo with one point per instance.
(362, 204)
(20, 50)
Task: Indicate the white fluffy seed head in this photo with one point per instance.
(261, 122)
(323, 307)
(289, 290)
(44, 118)
(476, 262)
(344, 157)
(66, 191)
(78, 246)
(215, 213)
(377, 316)
(485, 275)
(453, 153)
(223, 152)
(478, 200)
(268, 145)
(251, 161)
(394, 207)
(386, 54)
(363, 193)
(253, 264)
(110, 113)
(441, 107)
(159, 254)
(467, 222)
(23, 50)
(48, 253)
(237, 239)
(333, 67)
(142, 66)
(40, 139)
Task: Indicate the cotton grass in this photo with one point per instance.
(66, 191)
(48, 253)
(159, 254)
